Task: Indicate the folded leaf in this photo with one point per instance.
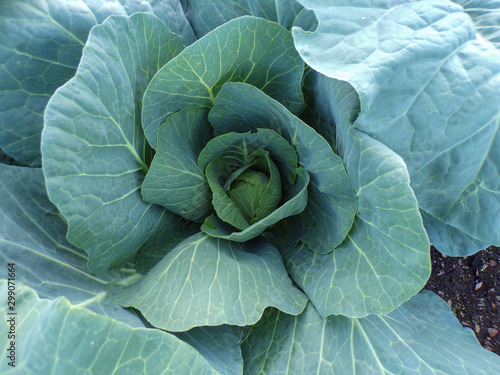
(174, 180)
(95, 155)
(448, 239)
(247, 49)
(33, 236)
(420, 337)
(207, 281)
(238, 149)
(41, 43)
(331, 206)
(425, 102)
(385, 258)
(207, 15)
(219, 345)
(294, 203)
(63, 339)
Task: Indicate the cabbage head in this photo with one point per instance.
(229, 187)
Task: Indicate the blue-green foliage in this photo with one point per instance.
(261, 180)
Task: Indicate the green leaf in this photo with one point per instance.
(219, 345)
(486, 17)
(41, 43)
(174, 180)
(217, 173)
(209, 281)
(63, 339)
(331, 206)
(33, 235)
(157, 247)
(385, 258)
(247, 49)
(238, 147)
(95, 155)
(420, 337)
(207, 15)
(450, 240)
(295, 202)
(256, 191)
(450, 142)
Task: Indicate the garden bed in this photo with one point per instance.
(471, 287)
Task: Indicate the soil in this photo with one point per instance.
(471, 287)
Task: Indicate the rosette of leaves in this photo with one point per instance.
(208, 203)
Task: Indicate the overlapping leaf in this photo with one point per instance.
(95, 155)
(41, 43)
(422, 78)
(331, 206)
(486, 17)
(55, 337)
(205, 16)
(420, 337)
(219, 345)
(385, 258)
(32, 235)
(174, 180)
(248, 49)
(206, 281)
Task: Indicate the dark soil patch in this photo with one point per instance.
(471, 287)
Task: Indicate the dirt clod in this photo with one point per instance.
(471, 286)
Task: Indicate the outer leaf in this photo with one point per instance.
(295, 202)
(247, 49)
(219, 345)
(157, 247)
(174, 179)
(450, 240)
(486, 17)
(420, 337)
(208, 281)
(94, 153)
(331, 205)
(385, 258)
(33, 235)
(426, 102)
(54, 337)
(41, 43)
(207, 15)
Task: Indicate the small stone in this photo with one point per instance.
(477, 329)
(440, 293)
(449, 302)
(492, 263)
(492, 332)
(487, 347)
(494, 306)
(440, 273)
(478, 285)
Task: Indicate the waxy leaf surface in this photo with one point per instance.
(205, 16)
(207, 281)
(41, 43)
(248, 49)
(385, 258)
(428, 90)
(422, 336)
(57, 338)
(95, 154)
(174, 180)
(33, 236)
(331, 205)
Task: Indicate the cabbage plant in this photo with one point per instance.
(238, 186)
